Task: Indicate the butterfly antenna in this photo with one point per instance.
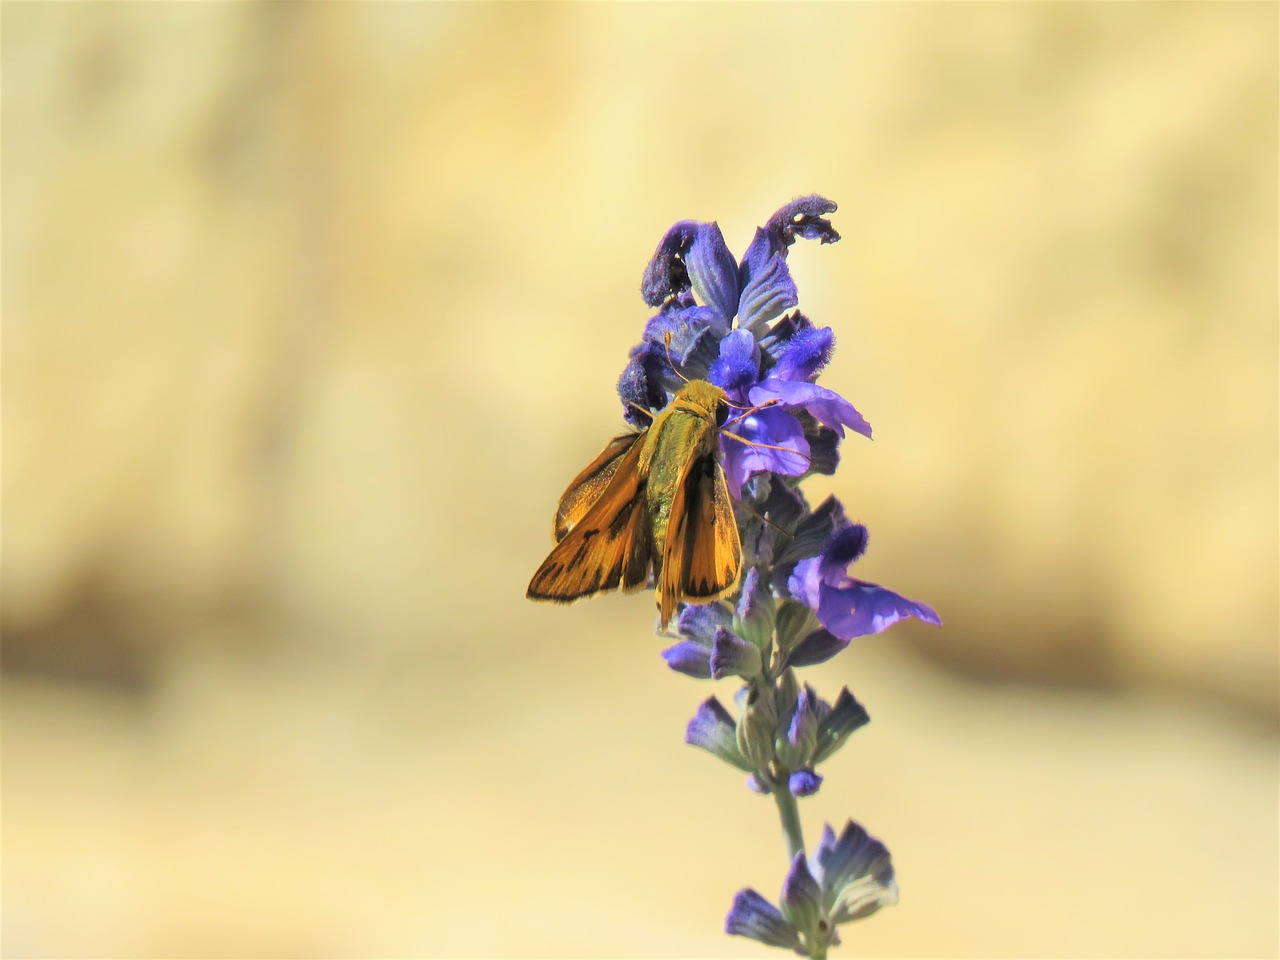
(765, 446)
(666, 342)
(748, 411)
(763, 519)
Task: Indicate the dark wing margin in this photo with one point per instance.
(702, 557)
(611, 546)
(590, 484)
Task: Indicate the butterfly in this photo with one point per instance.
(652, 502)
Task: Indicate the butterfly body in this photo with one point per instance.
(653, 502)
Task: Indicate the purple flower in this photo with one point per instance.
(716, 313)
(846, 607)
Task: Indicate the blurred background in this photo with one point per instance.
(311, 311)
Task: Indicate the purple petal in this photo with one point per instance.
(827, 406)
(804, 783)
(666, 275)
(824, 449)
(858, 609)
(803, 217)
(698, 621)
(767, 288)
(777, 428)
(801, 350)
(754, 784)
(690, 327)
(738, 366)
(690, 658)
(641, 386)
(754, 917)
(805, 580)
(731, 656)
(844, 547)
(712, 270)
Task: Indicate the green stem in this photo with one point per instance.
(790, 816)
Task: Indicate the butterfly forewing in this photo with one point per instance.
(589, 485)
(610, 546)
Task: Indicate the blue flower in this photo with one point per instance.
(846, 607)
(716, 314)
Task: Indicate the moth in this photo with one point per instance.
(653, 502)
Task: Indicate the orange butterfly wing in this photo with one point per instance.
(590, 484)
(607, 538)
(702, 558)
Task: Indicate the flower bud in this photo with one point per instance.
(756, 730)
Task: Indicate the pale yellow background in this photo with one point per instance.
(310, 311)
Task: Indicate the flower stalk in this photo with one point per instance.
(789, 814)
